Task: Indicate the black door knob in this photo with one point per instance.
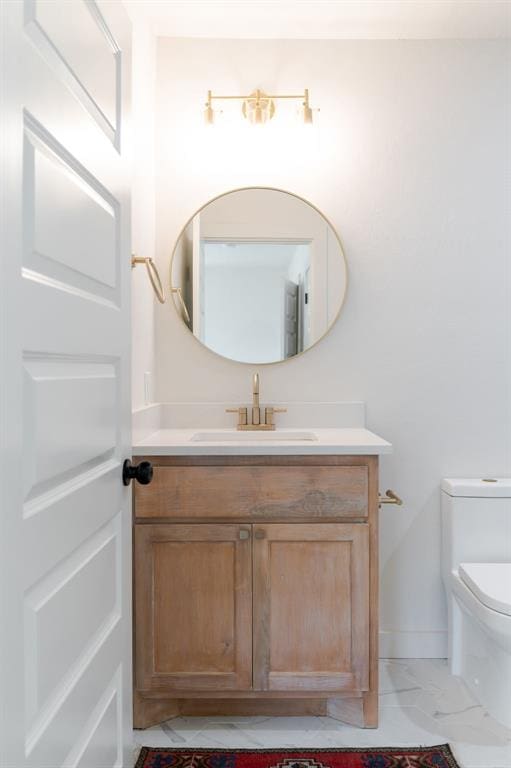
(142, 472)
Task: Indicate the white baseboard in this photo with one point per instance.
(413, 645)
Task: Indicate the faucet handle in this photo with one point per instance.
(268, 414)
(242, 414)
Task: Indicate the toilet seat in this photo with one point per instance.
(490, 583)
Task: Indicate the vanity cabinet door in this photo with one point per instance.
(311, 607)
(193, 607)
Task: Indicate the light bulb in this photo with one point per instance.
(209, 115)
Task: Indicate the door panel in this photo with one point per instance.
(90, 575)
(290, 319)
(82, 46)
(311, 607)
(63, 196)
(63, 399)
(193, 607)
(66, 542)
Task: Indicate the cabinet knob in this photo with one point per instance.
(260, 534)
(142, 472)
(244, 534)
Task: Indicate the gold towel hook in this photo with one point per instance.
(390, 498)
(152, 271)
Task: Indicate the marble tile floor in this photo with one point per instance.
(420, 704)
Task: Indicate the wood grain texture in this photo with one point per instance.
(147, 712)
(331, 565)
(311, 606)
(150, 711)
(158, 693)
(323, 460)
(310, 588)
(253, 707)
(371, 696)
(194, 607)
(205, 574)
(349, 711)
(254, 492)
(312, 681)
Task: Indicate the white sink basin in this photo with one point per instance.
(252, 436)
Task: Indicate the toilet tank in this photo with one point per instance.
(476, 522)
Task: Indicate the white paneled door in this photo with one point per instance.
(65, 556)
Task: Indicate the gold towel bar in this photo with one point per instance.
(390, 498)
(152, 271)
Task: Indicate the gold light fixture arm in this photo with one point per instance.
(303, 95)
(390, 498)
(152, 271)
(262, 101)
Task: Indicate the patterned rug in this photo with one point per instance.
(416, 757)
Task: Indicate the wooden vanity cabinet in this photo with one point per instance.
(256, 587)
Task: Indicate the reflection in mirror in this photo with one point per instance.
(258, 275)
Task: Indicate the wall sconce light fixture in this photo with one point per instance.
(258, 107)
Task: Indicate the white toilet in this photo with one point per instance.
(476, 561)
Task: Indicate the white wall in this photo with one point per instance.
(143, 210)
(408, 158)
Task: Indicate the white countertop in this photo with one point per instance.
(334, 441)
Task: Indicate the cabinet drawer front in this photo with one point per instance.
(255, 492)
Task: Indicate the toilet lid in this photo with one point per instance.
(490, 582)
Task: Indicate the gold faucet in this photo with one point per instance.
(256, 410)
(255, 421)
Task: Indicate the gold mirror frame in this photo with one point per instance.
(180, 306)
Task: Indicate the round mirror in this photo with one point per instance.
(258, 275)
